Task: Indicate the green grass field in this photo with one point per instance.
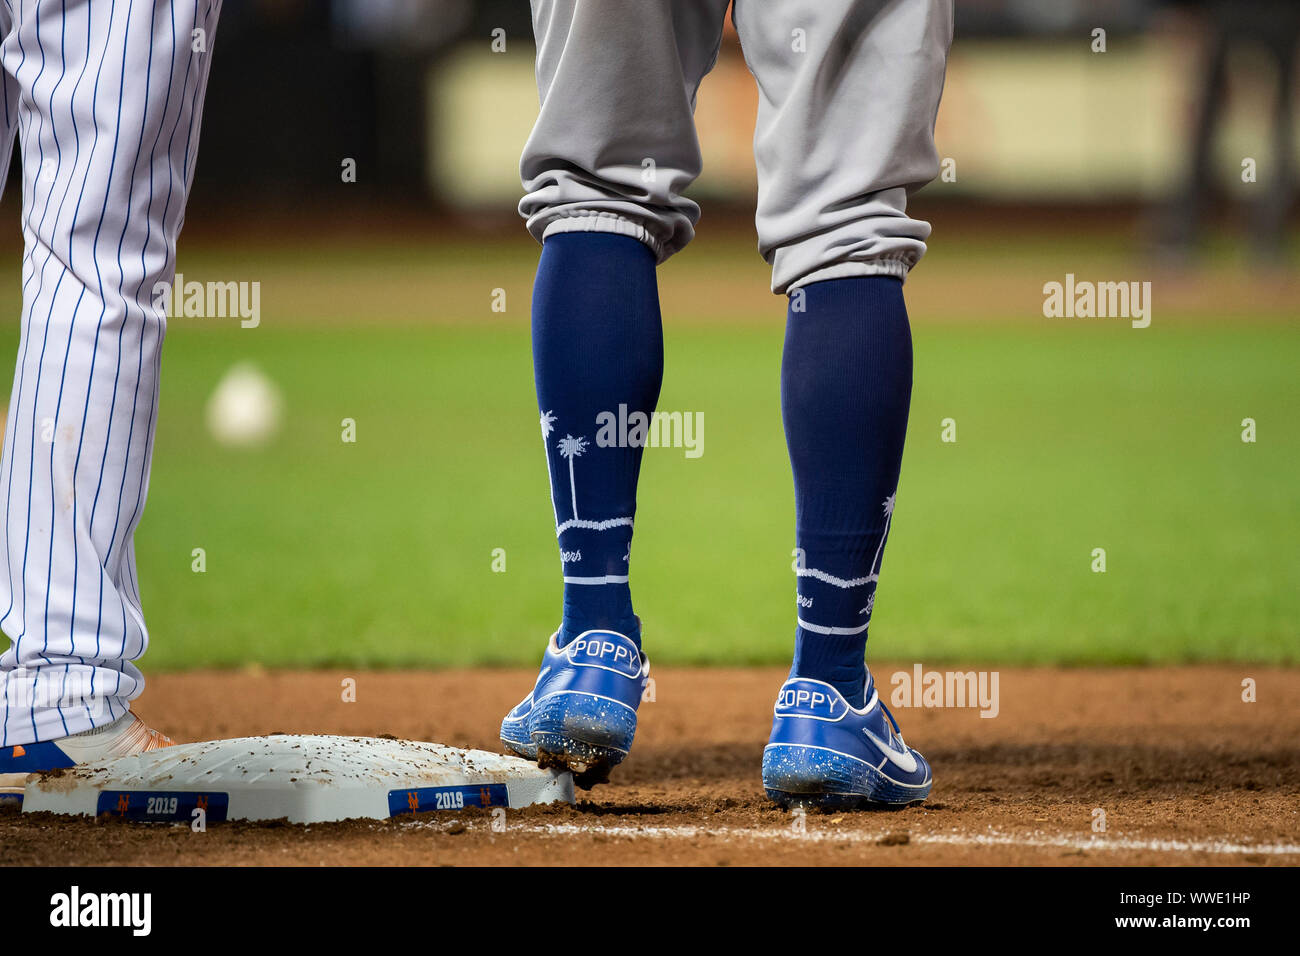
(1070, 437)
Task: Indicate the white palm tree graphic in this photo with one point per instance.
(547, 421)
(875, 562)
(889, 516)
(571, 448)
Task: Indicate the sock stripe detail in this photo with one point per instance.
(602, 579)
(593, 525)
(832, 579)
(819, 629)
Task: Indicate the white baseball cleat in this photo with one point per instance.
(126, 735)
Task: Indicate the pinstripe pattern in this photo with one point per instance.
(105, 100)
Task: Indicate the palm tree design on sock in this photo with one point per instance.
(889, 516)
(875, 562)
(572, 448)
(547, 421)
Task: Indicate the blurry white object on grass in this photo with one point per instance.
(245, 407)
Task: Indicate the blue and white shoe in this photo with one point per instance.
(824, 753)
(126, 735)
(581, 714)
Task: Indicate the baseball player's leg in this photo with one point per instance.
(849, 90)
(108, 121)
(614, 145)
(848, 94)
(604, 169)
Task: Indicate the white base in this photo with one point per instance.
(302, 778)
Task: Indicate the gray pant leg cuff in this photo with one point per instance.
(588, 221)
(890, 266)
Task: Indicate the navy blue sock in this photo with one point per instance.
(598, 360)
(846, 383)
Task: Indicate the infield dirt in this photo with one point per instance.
(1178, 768)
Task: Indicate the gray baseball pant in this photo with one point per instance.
(848, 93)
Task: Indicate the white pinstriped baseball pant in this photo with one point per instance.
(105, 98)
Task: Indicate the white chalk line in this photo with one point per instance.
(957, 838)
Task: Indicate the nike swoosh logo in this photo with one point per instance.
(904, 760)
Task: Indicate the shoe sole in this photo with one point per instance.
(814, 778)
(12, 788)
(590, 765)
(586, 734)
(520, 748)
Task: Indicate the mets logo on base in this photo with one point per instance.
(427, 799)
(161, 805)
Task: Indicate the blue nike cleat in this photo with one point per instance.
(826, 754)
(581, 714)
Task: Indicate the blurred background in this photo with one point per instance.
(361, 472)
(434, 98)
